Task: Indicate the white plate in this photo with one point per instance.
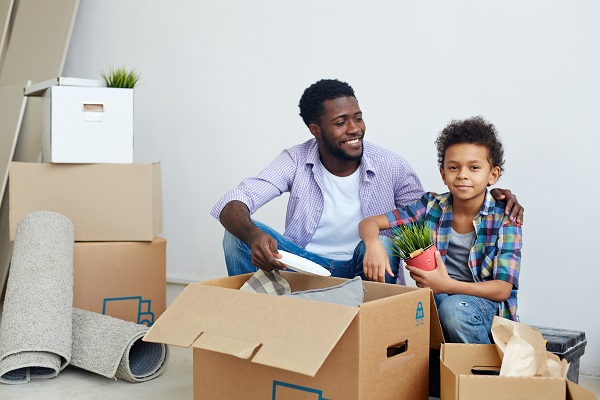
(301, 264)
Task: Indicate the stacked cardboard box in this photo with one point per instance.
(116, 209)
(115, 205)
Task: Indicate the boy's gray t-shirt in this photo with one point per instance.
(457, 258)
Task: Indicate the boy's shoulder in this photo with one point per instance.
(441, 198)
(491, 205)
(496, 208)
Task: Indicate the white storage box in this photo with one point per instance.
(84, 121)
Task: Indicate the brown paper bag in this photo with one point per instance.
(523, 351)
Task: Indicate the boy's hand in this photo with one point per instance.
(513, 208)
(437, 280)
(376, 263)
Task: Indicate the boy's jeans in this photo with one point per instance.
(466, 319)
(238, 257)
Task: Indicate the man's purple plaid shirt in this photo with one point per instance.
(387, 181)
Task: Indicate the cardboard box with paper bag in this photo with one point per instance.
(517, 367)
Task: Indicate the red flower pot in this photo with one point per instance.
(424, 260)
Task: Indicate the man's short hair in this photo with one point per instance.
(311, 102)
(475, 130)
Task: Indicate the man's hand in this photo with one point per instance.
(235, 217)
(513, 208)
(263, 248)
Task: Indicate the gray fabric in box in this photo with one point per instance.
(349, 293)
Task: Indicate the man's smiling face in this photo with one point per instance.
(342, 129)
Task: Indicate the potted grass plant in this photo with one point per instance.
(121, 77)
(415, 245)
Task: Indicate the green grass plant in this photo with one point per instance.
(120, 77)
(410, 237)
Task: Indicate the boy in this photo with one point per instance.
(479, 247)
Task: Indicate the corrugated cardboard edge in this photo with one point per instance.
(436, 335)
(576, 392)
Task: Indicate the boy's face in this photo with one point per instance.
(467, 171)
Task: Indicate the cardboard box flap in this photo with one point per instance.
(237, 348)
(436, 335)
(292, 334)
(576, 392)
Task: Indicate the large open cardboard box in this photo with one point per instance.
(459, 383)
(256, 346)
(105, 202)
(125, 280)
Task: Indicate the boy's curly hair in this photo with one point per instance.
(311, 102)
(475, 130)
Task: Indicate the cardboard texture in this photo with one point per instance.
(459, 383)
(275, 347)
(105, 202)
(87, 124)
(125, 280)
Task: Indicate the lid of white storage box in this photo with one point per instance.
(281, 332)
(38, 89)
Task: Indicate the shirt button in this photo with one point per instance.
(311, 231)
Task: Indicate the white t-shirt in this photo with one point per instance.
(336, 236)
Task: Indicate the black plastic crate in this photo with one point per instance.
(434, 373)
(566, 344)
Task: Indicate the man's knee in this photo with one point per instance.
(231, 243)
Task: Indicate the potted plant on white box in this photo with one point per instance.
(120, 77)
(415, 245)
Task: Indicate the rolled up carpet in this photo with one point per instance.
(35, 331)
(113, 348)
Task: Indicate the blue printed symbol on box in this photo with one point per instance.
(144, 315)
(420, 314)
(283, 389)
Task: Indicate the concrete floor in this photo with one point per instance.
(174, 383)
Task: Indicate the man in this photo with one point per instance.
(335, 180)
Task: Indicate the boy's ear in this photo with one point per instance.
(494, 175)
(443, 174)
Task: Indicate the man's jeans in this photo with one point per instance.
(466, 319)
(238, 257)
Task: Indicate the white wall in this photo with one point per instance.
(222, 80)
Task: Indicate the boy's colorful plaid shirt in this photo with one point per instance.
(496, 252)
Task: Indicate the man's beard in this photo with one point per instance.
(339, 152)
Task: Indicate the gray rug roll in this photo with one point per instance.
(41, 333)
(113, 348)
(35, 331)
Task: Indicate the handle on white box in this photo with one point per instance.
(96, 107)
